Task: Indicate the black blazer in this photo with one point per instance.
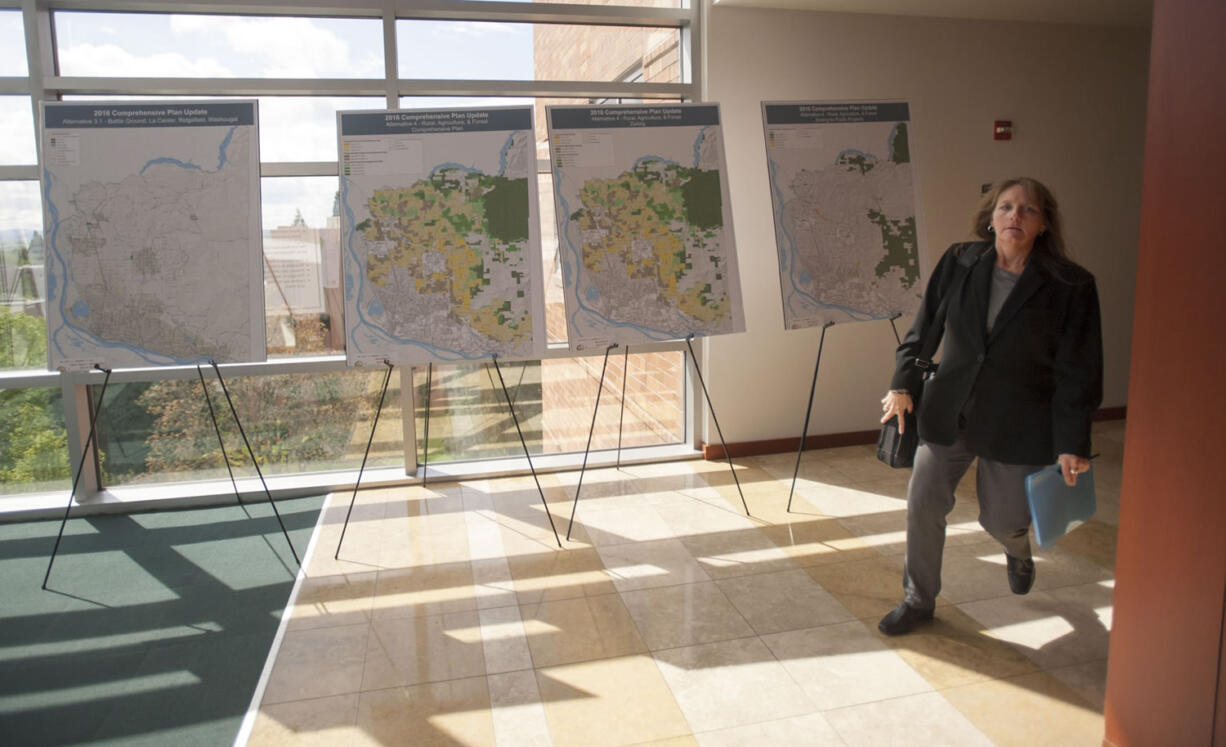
(1024, 393)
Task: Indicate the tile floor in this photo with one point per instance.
(452, 617)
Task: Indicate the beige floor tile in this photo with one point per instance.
(977, 571)
(438, 713)
(650, 564)
(517, 711)
(617, 701)
(955, 651)
(730, 683)
(1062, 566)
(810, 539)
(1094, 541)
(1005, 711)
(842, 665)
(685, 741)
(839, 501)
(788, 600)
(672, 616)
(552, 575)
(617, 525)
(492, 583)
(504, 640)
(924, 719)
(1092, 600)
(1050, 632)
(411, 650)
(811, 729)
(706, 515)
(333, 599)
(739, 552)
(321, 722)
(573, 630)
(424, 590)
(868, 588)
(1088, 680)
(317, 663)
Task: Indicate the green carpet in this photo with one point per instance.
(154, 626)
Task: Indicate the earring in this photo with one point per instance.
(991, 229)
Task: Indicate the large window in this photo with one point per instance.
(305, 412)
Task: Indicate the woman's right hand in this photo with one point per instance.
(896, 404)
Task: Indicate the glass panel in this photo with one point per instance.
(162, 432)
(521, 51)
(303, 303)
(12, 44)
(17, 144)
(628, 3)
(292, 128)
(124, 45)
(553, 400)
(23, 329)
(33, 442)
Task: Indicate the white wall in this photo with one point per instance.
(1076, 96)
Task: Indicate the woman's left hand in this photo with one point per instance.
(1072, 465)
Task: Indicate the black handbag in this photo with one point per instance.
(898, 449)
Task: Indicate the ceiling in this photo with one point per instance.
(1095, 12)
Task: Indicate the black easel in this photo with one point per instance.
(804, 431)
(387, 377)
(622, 415)
(225, 457)
(694, 360)
(93, 423)
(587, 449)
(425, 449)
(524, 443)
(255, 462)
(812, 387)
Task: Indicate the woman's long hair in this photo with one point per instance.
(1050, 243)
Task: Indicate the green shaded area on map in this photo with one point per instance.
(898, 239)
(856, 161)
(660, 222)
(900, 147)
(440, 232)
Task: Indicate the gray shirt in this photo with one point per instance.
(1002, 284)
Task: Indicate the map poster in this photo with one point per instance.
(440, 238)
(644, 223)
(843, 188)
(152, 219)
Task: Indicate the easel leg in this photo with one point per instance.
(527, 455)
(382, 393)
(425, 448)
(804, 432)
(894, 327)
(217, 429)
(707, 396)
(254, 461)
(93, 423)
(587, 449)
(622, 415)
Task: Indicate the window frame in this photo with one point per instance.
(44, 84)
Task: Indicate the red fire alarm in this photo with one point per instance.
(1002, 130)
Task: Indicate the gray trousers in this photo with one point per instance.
(1003, 512)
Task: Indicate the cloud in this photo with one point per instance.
(91, 59)
(290, 47)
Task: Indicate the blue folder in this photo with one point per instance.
(1056, 508)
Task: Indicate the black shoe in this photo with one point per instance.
(1021, 573)
(904, 619)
